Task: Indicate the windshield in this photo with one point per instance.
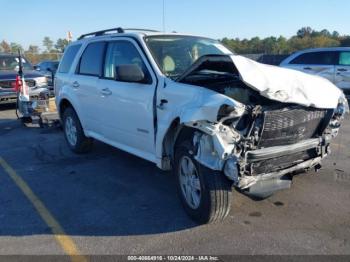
(174, 54)
(11, 63)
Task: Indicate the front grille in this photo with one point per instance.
(11, 83)
(7, 84)
(290, 125)
(281, 162)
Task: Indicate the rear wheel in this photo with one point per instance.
(74, 133)
(204, 193)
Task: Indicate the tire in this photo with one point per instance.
(74, 133)
(213, 202)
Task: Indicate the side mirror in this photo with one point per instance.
(37, 68)
(48, 69)
(129, 73)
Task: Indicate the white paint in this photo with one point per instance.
(287, 85)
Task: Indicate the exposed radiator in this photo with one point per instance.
(290, 125)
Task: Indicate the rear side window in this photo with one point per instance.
(344, 58)
(68, 58)
(315, 58)
(91, 60)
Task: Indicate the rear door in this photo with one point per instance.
(321, 63)
(342, 77)
(84, 85)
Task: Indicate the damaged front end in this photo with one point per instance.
(261, 147)
(259, 150)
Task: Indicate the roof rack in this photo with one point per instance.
(119, 30)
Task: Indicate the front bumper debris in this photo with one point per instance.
(218, 148)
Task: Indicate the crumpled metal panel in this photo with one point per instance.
(286, 85)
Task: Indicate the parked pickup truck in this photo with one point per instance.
(186, 103)
(9, 70)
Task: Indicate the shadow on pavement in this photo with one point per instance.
(103, 193)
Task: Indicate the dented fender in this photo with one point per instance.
(214, 143)
(201, 105)
(209, 108)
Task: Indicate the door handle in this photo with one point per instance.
(161, 104)
(106, 91)
(307, 68)
(342, 70)
(75, 84)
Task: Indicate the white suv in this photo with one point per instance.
(332, 63)
(188, 104)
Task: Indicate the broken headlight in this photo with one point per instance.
(339, 113)
(343, 106)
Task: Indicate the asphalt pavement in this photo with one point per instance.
(110, 202)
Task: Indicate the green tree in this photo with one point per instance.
(61, 44)
(335, 35)
(48, 43)
(325, 33)
(305, 37)
(34, 49)
(345, 41)
(5, 47)
(270, 45)
(305, 31)
(15, 47)
(255, 45)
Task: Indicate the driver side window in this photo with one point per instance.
(122, 53)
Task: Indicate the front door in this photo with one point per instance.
(127, 107)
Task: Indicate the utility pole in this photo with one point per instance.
(163, 15)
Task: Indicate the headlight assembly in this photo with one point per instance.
(41, 81)
(343, 106)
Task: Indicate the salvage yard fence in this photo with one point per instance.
(266, 58)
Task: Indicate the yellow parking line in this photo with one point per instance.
(60, 235)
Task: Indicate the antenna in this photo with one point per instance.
(163, 16)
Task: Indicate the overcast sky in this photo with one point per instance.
(28, 22)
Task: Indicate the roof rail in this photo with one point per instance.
(102, 32)
(119, 30)
(141, 29)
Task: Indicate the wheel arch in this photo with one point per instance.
(63, 105)
(175, 133)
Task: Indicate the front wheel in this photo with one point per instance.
(205, 193)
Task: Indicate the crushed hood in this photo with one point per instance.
(287, 85)
(276, 83)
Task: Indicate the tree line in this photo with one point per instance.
(304, 38)
(52, 50)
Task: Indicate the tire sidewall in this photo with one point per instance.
(69, 112)
(201, 213)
